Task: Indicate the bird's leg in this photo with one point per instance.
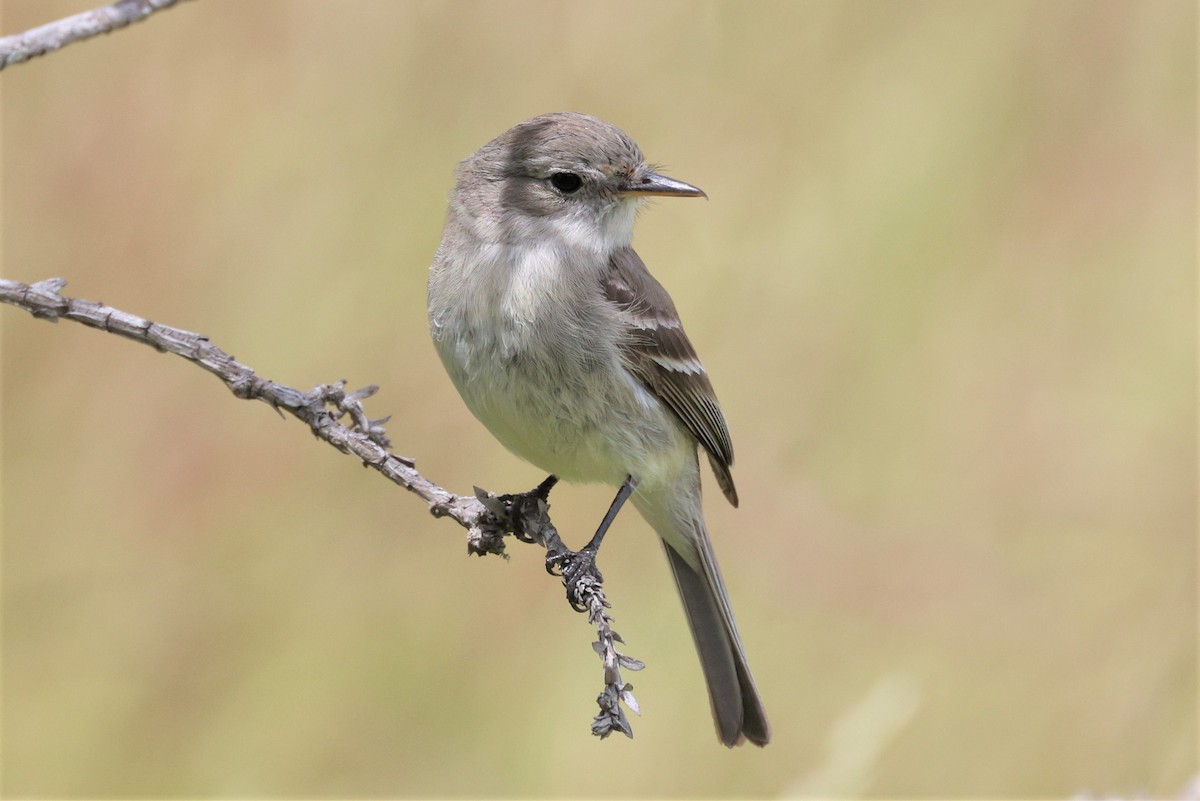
(574, 566)
(543, 490)
(622, 495)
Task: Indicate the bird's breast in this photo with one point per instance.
(532, 345)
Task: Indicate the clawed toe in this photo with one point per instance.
(579, 572)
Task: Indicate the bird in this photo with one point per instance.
(573, 356)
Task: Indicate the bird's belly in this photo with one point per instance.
(581, 418)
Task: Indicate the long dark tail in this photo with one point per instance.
(736, 707)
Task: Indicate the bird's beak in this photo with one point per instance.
(645, 182)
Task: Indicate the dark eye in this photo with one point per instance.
(566, 182)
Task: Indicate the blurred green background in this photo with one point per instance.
(945, 286)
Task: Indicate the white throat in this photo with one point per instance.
(601, 232)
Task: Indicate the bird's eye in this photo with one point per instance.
(566, 182)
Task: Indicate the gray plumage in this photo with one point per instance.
(561, 342)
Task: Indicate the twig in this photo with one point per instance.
(488, 518)
(51, 36)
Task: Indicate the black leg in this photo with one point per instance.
(543, 490)
(576, 567)
(622, 495)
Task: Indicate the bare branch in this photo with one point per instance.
(488, 518)
(50, 37)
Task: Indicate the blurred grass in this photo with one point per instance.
(946, 289)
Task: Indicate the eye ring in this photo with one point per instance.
(566, 182)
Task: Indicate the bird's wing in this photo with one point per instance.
(659, 354)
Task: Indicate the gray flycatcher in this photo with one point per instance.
(561, 342)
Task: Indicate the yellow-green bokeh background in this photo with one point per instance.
(945, 286)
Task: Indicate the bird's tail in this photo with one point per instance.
(736, 707)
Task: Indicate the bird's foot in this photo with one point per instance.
(531, 505)
(579, 573)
